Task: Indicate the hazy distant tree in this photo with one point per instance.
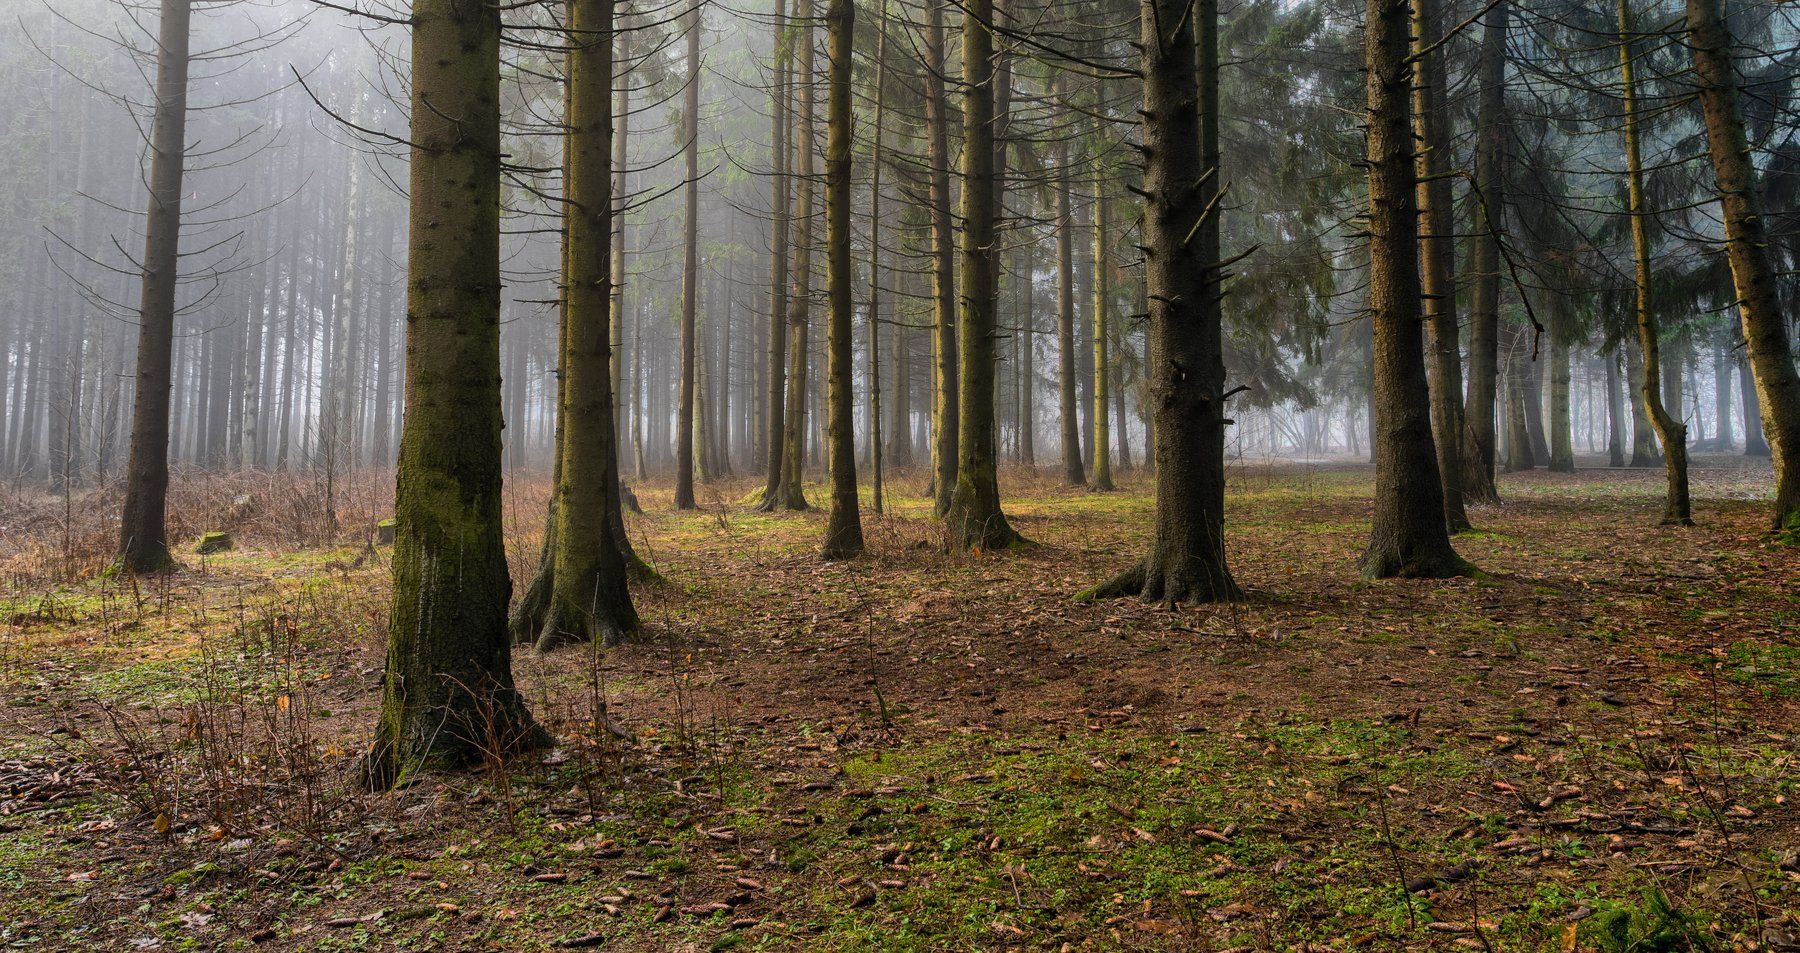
(448, 696)
(1410, 537)
(1746, 245)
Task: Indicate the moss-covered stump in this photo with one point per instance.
(215, 543)
(384, 532)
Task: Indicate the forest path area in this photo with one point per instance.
(1590, 746)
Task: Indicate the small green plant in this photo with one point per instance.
(1654, 926)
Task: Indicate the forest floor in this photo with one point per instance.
(1592, 746)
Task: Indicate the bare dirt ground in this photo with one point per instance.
(1592, 746)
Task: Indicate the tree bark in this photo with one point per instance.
(448, 697)
(1067, 408)
(790, 490)
(1186, 366)
(874, 313)
(690, 269)
(780, 206)
(975, 520)
(1615, 410)
(143, 546)
(1562, 437)
(589, 598)
(1409, 538)
(1643, 436)
(946, 413)
(1677, 509)
(843, 528)
(1479, 437)
(1754, 443)
(1766, 340)
(1103, 481)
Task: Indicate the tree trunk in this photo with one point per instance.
(1409, 538)
(1677, 510)
(780, 207)
(690, 270)
(975, 520)
(946, 414)
(621, 260)
(1437, 256)
(1754, 443)
(1515, 362)
(1615, 411)
(1186, 368)
(1067, 408)
(874, 314)
(1532, 370)
(1027, 353)
(1102, 365)
(448, 697)
(790, 490)
(1562, 437)
(843, 529)
(589, 599)
(143, 546)
(1746, 245)
(1723, 436)
(1484, 319)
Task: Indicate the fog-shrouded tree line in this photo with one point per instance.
(828, 242)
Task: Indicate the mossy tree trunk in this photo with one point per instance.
(975, 520)
(589, 598)
(843, 529)
(946, 412)
(1185, 372)
(1410, 537)
(143, 542)
(448, 697)
(1677, 510)
(1771, 356)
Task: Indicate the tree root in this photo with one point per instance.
(564, 626)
